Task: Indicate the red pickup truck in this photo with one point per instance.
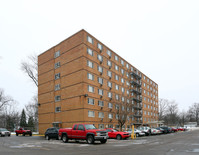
(86, 132)
(23, 132)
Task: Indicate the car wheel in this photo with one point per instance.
(47, 137)
(103, 141)
(24, 134)
(137, 134)
(30, 134)
(0, 135)
(65, 138)
(16, 134)
(90, 139)
(119, 137)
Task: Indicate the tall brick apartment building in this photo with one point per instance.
(82, 80)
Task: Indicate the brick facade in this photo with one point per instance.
(71, 96)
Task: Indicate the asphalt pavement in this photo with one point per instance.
(181, 143)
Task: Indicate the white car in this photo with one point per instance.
(145, 129)
(137, 132)
(4, 132)
(155, 131)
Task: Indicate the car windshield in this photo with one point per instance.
(114, 130)
(90, 126)
(3, 129)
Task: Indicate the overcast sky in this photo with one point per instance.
(160, 38)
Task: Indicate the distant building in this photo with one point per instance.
(81, 80)
(190, 124)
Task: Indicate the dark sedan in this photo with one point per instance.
(51, 133)
(166, 129)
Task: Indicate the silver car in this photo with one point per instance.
(4, 132)
(137, 132)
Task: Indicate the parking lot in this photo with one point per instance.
(170, 144)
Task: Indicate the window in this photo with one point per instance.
(89, 39)
(57, 65)
(100, 92)
(127, 74)
(101, 115)
(109, 94)
(89, 51)
(91, 101)
(144, 77)
(58, 109)
(100, 103)
(57, 98)
(90, 64)
(127, 83)
(116, 58)
(100, 69)
(91, 114)
(116, 67)
(57, 54)
(109, 53)
(144, 85)
(127, 100)
(90, 89)
(90, 76)
(122, 108)
(57, 76)
(109, 63)
(122, 80)
(100, 58)
(110, 105)
(116, 87)
(122, 62)
(109, 73)
(100, 80)
(117, 107)
(116, 97)
(144, 91)
(116, 77)
(57, 87)
(122, 71)
(131, 69)
(127, 66)
(109, 84)
(127, 91)
(99, 46)
(116, 116)
(128, 109)
(110, 116)
(123, 99)
(123, 90)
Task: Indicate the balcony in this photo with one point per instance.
(138, 114)
(136, 75)
(137, 91)
(137, 83)
(137, 99)
(137, 107)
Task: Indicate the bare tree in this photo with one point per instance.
(4, 100)
(30, 67)
(163, 105)
(32, 110)
(123, 113)
(172, 113)
(193, 112)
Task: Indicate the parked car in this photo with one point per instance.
(52, 133)
(174, 129)
(155, 131)
(23, 132)
(161, 130)
(137, 132)
(145, 129)
(4, 132)
(86, 132)
(166, 129)
(180, 129)
(113, 133)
